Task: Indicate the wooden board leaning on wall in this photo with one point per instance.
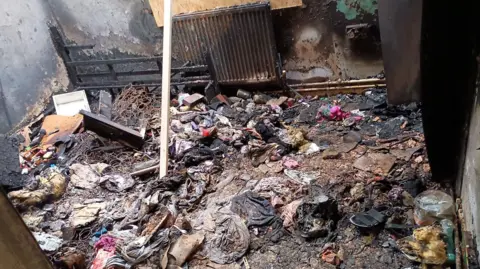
(187, 6)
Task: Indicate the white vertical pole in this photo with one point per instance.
(167, 61)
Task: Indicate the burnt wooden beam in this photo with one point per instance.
(109, 129)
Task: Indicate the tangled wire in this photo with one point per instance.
(135, 105)
(90, 149)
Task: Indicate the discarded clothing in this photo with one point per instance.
(117, 183)
(261, 154)
(141, 249)
(272, 186)
(100, 260)
(48, 242)
(329, 112)
(230, 241)
(191, 192)
(289, 213)
(290, 163)
(106, 242)
(259, 212)
(181, 146)
(96, 236)
(49, 188)
(168, 182)
(195, 156)
(265, 131)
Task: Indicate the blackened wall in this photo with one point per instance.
(30, 70)
(314, 45)
(29, 67)
(311, 40)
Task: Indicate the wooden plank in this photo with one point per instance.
(166, 72)
(18, 247)
(188, 6)
(109, 129)
(279, 4)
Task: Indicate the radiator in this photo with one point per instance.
(238, 42)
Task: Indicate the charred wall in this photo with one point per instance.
(30, 67)
(312, 41)
(115, 27)
(327, 39)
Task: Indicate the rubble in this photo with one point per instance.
(192, 100)
(255, 179)
(377, 163)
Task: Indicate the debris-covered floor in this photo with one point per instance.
(255, 182)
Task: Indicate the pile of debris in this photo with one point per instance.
(254, 181)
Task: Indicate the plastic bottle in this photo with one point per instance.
(433, 205)
(448, 230)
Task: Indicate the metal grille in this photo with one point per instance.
(239, 40)
(100, 74)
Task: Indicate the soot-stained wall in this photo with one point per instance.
(312, 41)
(30, 69)
(315, 46)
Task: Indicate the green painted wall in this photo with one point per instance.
(353, 9)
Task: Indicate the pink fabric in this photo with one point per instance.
(290, 163)
(107, 243)
(329, 112)
(101, 259)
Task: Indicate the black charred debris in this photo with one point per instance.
(249, 177)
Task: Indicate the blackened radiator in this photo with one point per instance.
(239, 41)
